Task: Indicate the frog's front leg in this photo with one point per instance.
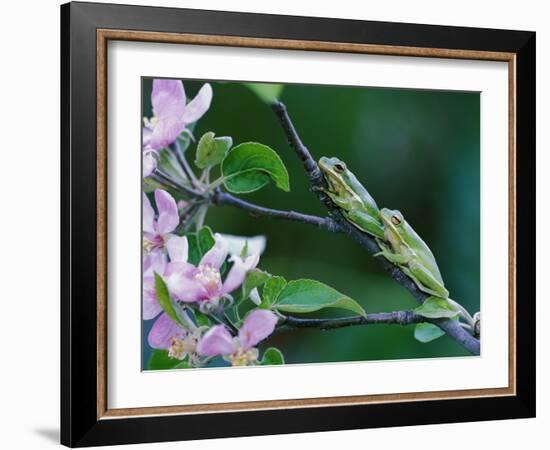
(425, 280)
(365, 222)
(392, 257)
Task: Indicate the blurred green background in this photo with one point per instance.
(414, 150)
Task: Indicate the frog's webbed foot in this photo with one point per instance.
(316, 189)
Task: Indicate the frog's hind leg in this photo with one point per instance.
(365, 222)
(425, 280)
(392, 257)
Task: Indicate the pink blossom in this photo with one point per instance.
(157, 232)
(179, 342)
(154, 262)
(156, 238)
(203, 283)
(171, 117)
(186, 283)
(165, 333)
(257, 326)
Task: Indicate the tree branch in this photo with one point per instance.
(222, 198)
(326, 223)
(317, 182)
(405, 317)
(165, 179)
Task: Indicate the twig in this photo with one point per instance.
(176, 149)
(164, 182)
(165, 179)
(405, 317)
(222, 198)
(317, 182)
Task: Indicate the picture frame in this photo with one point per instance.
(86, 30)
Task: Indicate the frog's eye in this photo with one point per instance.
(339, 167)
(395, 220)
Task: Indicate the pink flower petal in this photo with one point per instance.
(168, 98)
(154, 262)
(165, 132)
(149, 163)
(216, 341)
(168, 212)
(148, 216)
(179, 278)
(163, 331)
(196, 108)
(151, 307)
(217, 254)
(180, 268)
(258, 325)
(178, 248)
(237, 274)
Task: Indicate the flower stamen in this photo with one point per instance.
(180, 348)
(244, 357)
(209, 277)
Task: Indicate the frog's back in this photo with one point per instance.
(423, 252)
(368, 202)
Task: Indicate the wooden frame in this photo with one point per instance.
(86, 29)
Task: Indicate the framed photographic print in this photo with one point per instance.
(277, 224)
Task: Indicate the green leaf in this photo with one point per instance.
(254, 278)
(303, 296)
(247, 182)
(183, 365)
(268, 92)
(149, 185)
(205, 240)
(164, 299)
(436, 308)
(272, 288)
(427, 332)
(159, 360)
(194, 255)
(199, 243)
(201, 319)
(250, 166)
(211, 150)
(272, 357)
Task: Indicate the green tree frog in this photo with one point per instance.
(411, 253)
(357, 205)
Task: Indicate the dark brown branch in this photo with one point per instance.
(451, 327)
(222, 198)
(393, 318)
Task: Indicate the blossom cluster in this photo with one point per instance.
(203, 288)
(171, 117)
(201, 285)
